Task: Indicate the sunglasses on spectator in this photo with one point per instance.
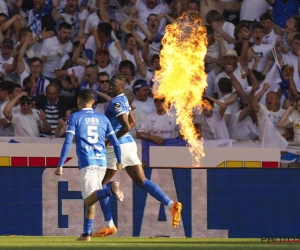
(159, 100)
(27, 103)
(104, 81)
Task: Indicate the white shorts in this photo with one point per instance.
(91, 179)
(128, 155)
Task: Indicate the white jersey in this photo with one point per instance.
(273, 117)
(243, 130)
(160, 125)
(215, 126)
(54, 51)
(251, 10)
(262, 51)
(270, 38)
(27, 125)
(148, 106)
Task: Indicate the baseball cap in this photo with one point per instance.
(26, 98)
(102, 50)
(8, 42)
(231, 52)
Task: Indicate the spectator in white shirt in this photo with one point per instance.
(53, 49)
(158, 125)
(142, 100)
(225, 29)
(266, 22)
(27, 121)
(126, 68)
(13, 90)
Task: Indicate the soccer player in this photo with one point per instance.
(119, 114)
(90, 129)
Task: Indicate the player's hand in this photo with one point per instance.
(58, 171)
(119, 166)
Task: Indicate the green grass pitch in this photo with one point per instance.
(142, 243)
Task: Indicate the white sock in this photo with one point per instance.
(170, 205)
(109, 223)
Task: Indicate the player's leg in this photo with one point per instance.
(91, 188)
(103, 193)
(88, 183)
(105, 204)
(137, 174)
(87, 223)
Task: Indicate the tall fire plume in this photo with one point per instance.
(182, 79)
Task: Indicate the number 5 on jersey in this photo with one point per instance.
(92, 134)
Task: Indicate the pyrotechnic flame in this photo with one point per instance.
(182, 79)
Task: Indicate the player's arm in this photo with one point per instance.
(122, 118)
(131, 119)
(64, 152)
(117, 149)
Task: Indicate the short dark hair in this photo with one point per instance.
(127, 37)
(12, 87)
(35, 59)
(213, 15)
(127, 63)
(154, 57)
(265, 16)
(86, 95)
(2, 14)
(257, 26)
(92, 66)
(151, 15)
(104, 73)
(65, 25)
(238, 28)
(193, 1)
(105, 28)
(225, 85)
(119, 77)
(24, 32)
(136, 83)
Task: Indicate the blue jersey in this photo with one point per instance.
(90, 129)
(117, 106)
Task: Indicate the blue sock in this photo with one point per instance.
(105, 206)
(88, 225)
(103, 193)
(155, 191)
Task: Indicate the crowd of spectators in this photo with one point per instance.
(51, 49)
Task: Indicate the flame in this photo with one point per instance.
(182, 79)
